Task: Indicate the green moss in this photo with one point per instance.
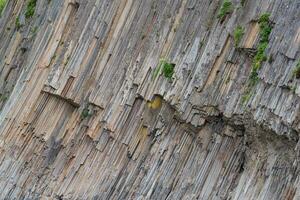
(260, 56)
(168, 70)
(296, 71)
(264, 18)
(2, 5)
(85, 113)
(17, 23)
(265, 31)
(30, 9)
(226, 9)
(253, 79)
(238, 35)
(243, 2)
(166, 67)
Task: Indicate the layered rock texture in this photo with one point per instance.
(87, 111)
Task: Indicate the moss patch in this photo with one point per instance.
(2, 5)
(30, 9)
(260, 56)
(166, 67)
(226, 9)
(168, 70)
(86, 112)
(238, 35)
(17, 23)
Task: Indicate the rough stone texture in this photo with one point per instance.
(83, 117)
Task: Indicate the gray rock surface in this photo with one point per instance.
(83, 115)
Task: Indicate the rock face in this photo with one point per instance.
(87, 112)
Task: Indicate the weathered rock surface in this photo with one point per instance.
(83, 117)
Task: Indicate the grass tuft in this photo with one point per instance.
(260, 56)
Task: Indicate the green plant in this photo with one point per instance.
(260, 56)
(264, 18)
(238, 34)
(2, 5)
(226, 8)
(243, 2)
(30, 9)
(168, 69)
(85, 113)
(17, 23)
(296, 71)
(265, 31)
(253, 78)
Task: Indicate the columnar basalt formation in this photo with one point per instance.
(87, 111)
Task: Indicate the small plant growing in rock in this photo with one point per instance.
(265, 27)
(238, 34)
(30, 9)
(296, 71)
(2, 5)
(17, 23)
(226, 8)
(85, 113)
(260, 56)
(166, 67)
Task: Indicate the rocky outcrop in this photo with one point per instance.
(88, 112)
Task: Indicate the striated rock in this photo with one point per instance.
(87, 112)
